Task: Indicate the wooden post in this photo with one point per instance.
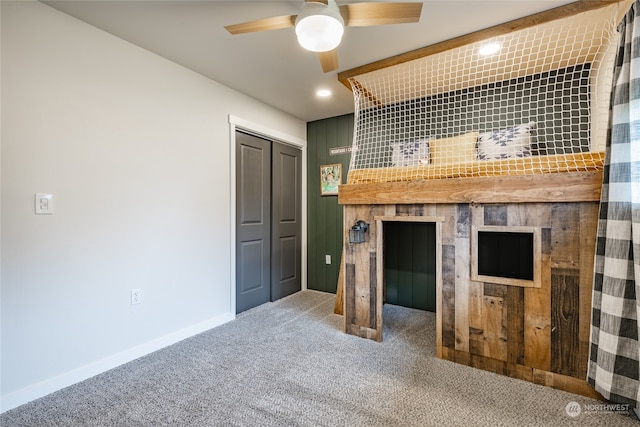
(338, 308)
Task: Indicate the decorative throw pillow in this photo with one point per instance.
(410, 153)
(506, 143)
(456, 149)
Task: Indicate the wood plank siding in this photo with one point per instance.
(536, 334)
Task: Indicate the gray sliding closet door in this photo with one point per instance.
(286, 228)
(253, 221)
(268, 220)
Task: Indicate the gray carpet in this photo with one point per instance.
(288, 363)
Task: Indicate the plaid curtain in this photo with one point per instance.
(614, 356)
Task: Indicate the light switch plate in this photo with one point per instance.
(327, 259)
(43, 204)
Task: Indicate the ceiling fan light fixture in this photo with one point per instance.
(319, 27)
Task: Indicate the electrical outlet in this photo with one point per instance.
(43, 204)
(136, 296)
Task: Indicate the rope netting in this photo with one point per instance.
(538, 104)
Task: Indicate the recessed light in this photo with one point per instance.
(323, 93)
(489, 49)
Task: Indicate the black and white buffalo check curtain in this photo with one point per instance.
(614, 356)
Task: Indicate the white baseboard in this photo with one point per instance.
(38, 390)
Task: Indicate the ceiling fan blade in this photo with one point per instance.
(369, 14)
(274, 23)
(329, 60)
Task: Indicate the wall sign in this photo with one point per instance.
(336, 151)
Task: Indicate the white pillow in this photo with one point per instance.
(506, 143)
(410, 153)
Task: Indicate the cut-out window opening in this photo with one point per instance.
(506, 255)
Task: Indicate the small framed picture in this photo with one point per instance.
(330, 178)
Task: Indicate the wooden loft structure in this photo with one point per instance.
(539, 335)
(422, 76)
(580, 186)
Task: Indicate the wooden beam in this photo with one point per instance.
(402, 218)
(338, 306)
(552, 187)
(375, 101)
(497, 30)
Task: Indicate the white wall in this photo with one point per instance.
(135, 150)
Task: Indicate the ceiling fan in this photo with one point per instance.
(320, 24)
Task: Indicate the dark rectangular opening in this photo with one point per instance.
(410, 264)
(505, 254)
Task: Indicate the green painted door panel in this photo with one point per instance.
(409, 264)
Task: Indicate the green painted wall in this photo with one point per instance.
(324, 217)
(409, 267)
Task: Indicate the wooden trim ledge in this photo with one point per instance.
(409, 218)
(553, 187)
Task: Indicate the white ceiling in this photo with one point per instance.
(271, 66)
